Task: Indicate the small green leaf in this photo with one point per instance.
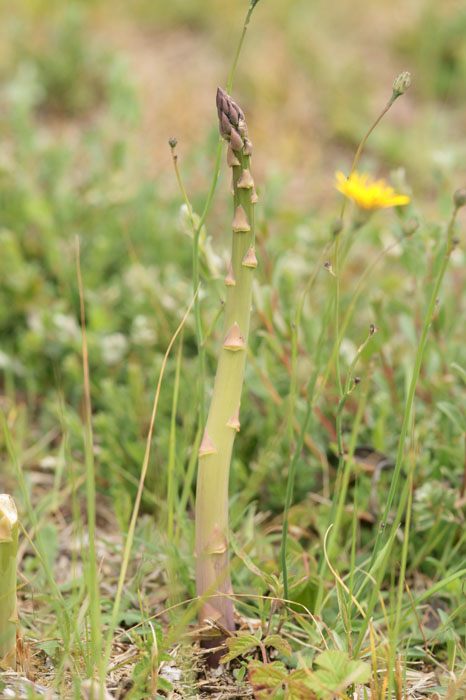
(238, 673)
(267, 680)
(238, 646)
(49, 647)
(278, 643)
(164, 684)
(273, 681)
(298, 686)
(336, 673)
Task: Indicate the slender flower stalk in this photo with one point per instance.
(211, 547)
(8, 553)
(379, 559)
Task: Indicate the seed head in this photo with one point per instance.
(401, 84)
(172, 141)
(459, 198)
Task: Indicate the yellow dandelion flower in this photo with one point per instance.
(369, 194)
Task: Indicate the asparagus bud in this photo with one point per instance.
(8, 554)
(223, 422)
(231, 121)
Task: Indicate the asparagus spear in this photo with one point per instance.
(8, 553)
(211, 547)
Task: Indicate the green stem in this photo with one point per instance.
(346, 468)
(401, 584)
(134, 515)
(240, 46)
(8, 555)
(95, 656)
(311, 393)
(212, 559)
(171, 485)
(64, 619)
(344, 464)
(188, 481)
(198, 228)
(354, 532)
(336, 269)
(363, 143)
(404, 429)
(338, 335)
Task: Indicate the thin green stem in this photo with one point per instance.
(294, 343)
(401, 444)
(344, 463)
(401, 583)
(336, 265)
(93, 580)
(289, 494)
(415, 377)
(8, 566)
(197, 228)
(188, 482)
(347, 465)
(336, 313)
(214, 322)
(334, 359)
(363, 143)
(299, 446)
(336, 262)
(137, 502)
(240, 46)
(354, 531)
(61, 611)
(349, 312)
(171, 485)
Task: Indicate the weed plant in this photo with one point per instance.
(347, 485)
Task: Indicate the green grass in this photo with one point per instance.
(82, 156)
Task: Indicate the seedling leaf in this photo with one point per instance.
(239, 645)
(278, 643)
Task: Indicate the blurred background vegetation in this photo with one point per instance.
(90, 92)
